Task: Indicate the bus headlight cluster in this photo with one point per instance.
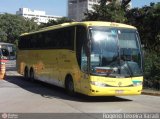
(138, 83)
(100, 84)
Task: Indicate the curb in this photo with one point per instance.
(156, 93)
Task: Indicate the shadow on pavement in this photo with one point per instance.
(51, 91)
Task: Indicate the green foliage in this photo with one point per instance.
(11, 26)
(106, 12)
(146, 19)
(152, 66)
(152, 70)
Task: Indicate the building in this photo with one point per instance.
(40, 16)
(77, 8)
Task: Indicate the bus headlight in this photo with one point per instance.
(100, 84)
(137, 83)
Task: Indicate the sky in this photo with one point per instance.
(52, 7)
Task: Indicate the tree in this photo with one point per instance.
(11, 26)
(125, 4)
(107, 12)
(146, 19)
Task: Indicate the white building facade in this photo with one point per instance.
(40, 16)
(77, 8)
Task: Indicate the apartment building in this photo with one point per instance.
(40, 16)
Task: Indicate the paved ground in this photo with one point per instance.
(20, 96)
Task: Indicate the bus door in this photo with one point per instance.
(85, 69)
(82, 54)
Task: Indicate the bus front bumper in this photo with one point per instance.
(113, 91)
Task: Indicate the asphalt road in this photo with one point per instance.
(18, 95)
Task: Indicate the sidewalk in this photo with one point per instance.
(150, 92)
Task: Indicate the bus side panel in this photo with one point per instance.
(44, 63)
(67, 64)
(21, 61)
(51, 66)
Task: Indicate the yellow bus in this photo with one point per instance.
(93, 58)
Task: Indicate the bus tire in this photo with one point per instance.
(31, 76)
(26, 75)
(69, 86)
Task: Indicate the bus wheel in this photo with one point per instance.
(26, 73)
(31, 75)
(69, 86)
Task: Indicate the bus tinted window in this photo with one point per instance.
(24, 42)
(61, 39)
(48, 40)
(33, 41)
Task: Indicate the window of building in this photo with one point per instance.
(82, 0)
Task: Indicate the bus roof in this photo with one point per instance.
(85, 23)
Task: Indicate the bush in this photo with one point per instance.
(152, 70)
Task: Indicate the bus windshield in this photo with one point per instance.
(7, 51)
(115, 52)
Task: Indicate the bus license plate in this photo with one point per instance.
(119, 91)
